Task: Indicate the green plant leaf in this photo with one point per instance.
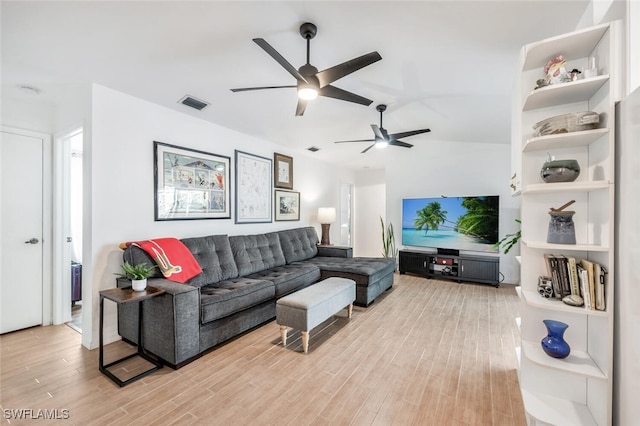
(509, 240)
(136, 272)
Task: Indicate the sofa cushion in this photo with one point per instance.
(363, 270)
(299, 244)
(230, 296)
(254, 253)
(289, 278)
(214, 255)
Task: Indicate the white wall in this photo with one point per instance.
(121, 187)
(627, 277)
(454, 169)
(28, 113)
(370, 206)
(633, 45)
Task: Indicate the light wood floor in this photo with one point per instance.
(427, 352)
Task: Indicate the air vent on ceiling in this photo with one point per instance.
(192, 102)
(313, 148)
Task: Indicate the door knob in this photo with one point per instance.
(32, 241)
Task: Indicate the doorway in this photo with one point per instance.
(346, 217)
(69, 162)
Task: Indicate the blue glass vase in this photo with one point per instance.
(553, 344)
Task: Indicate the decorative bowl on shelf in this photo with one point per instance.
(567, 123)
(554, 171)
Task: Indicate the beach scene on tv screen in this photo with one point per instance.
(462, 223)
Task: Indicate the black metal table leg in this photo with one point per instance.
(120, 296)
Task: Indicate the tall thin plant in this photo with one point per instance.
(509, 240)
(388, 240)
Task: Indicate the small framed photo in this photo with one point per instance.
(283, 171)
(190, 184)
(287, 205)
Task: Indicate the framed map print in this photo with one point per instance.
(253, 188)
(190, 184)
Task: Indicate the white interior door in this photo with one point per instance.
(21, 218)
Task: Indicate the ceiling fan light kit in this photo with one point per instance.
(307, 93)
(310, 82)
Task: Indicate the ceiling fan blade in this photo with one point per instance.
(358, 140)
(377, 132)
(336, 93)
(400, 143)
(332, 74)
(302, 105)
(279, 59)
(407, 134)
(245, 89)
(368, 148)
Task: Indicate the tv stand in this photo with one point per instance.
(479, 269)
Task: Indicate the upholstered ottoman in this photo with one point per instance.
(309, 307)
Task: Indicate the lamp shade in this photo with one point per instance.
(326, 215)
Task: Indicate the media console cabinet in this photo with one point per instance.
(479, 269)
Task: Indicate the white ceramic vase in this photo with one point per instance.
(139, 285)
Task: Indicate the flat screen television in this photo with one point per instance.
(460, 223)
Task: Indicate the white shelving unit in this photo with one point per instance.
(576, 390)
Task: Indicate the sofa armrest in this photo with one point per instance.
(171, 323)
(335, 251)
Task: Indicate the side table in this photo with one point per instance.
(121, 296)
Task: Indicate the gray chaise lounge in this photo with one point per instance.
(242, 278)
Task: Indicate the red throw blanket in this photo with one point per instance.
(174, 259)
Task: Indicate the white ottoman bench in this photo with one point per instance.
(309, 307)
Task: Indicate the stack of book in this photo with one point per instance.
(583, 278)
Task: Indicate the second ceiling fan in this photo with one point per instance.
(311, 82)
(383, 138)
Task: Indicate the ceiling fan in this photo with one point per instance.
(312, 83)
(383, 138)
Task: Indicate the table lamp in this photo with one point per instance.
(326, 216)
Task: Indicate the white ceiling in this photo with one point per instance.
(447, 65)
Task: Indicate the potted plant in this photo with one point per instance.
(509, 240)
(138, 274)
(388, 241)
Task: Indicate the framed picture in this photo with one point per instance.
(287, 205)
(253, 188)
(190, 184)
(283, 170)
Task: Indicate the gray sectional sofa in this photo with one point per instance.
(242, 278)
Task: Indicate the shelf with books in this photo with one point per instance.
(578, 362)
(564, 140)
(578, 389)
(532, 298)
